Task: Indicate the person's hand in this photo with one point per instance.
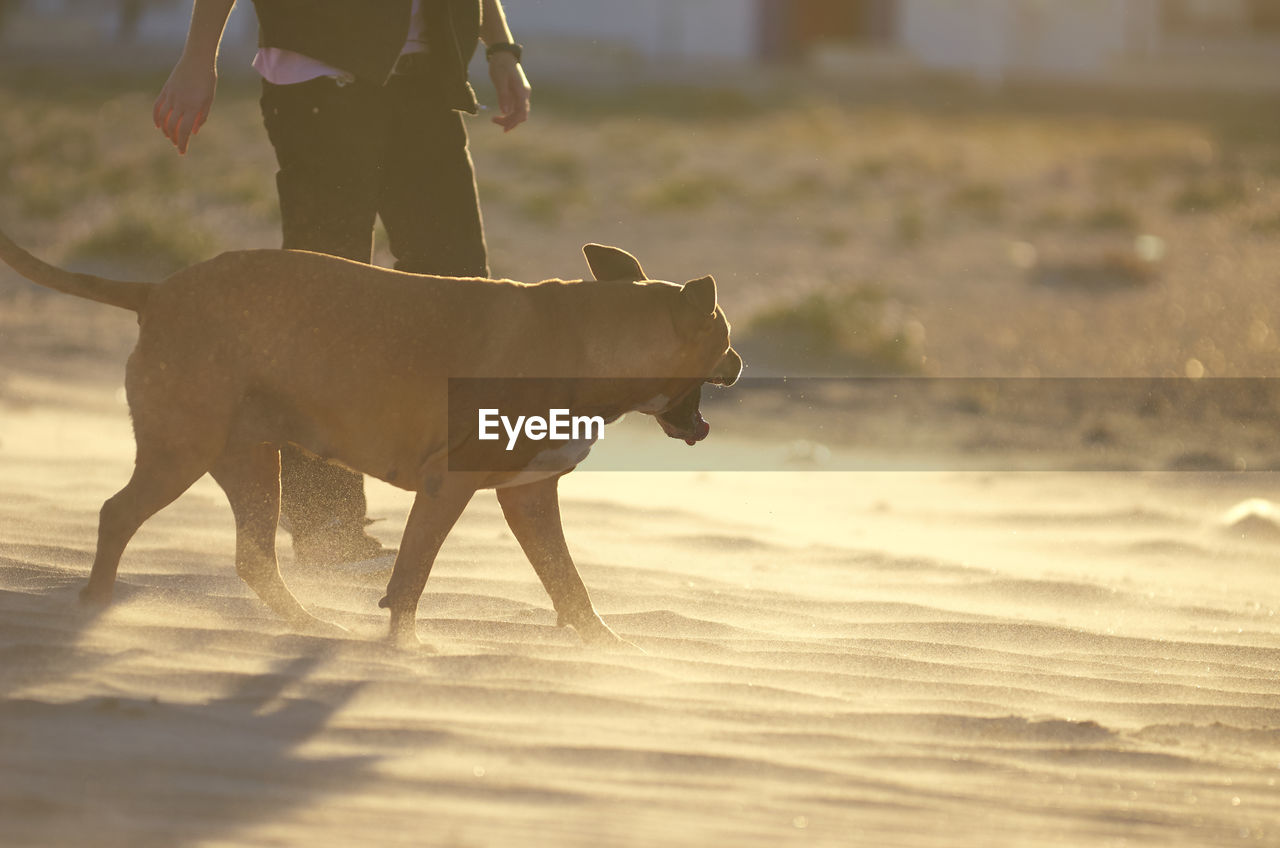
(513, 91)
(185, 101)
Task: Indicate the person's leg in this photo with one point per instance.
(427, 191)
(327, 139)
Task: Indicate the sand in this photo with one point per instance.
(933, 658)
(887, 659)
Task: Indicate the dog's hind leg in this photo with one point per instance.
(179, 427)
(250, 475)
(433, 515)
(533, 514)
(159, 477)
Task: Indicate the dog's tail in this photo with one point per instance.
(125, 295)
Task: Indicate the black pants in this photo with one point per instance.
(348, 154)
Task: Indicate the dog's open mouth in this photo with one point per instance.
(683, 419)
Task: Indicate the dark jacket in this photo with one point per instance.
(365, 37)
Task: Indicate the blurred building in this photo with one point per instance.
(150, 30)
(1228, 41)
(1225, 42)
(1096, 39)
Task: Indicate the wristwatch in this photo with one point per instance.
(504, 47)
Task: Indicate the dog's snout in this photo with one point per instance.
(727, 370)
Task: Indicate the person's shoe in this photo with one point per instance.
(332, 546)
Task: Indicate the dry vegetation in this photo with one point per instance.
(998, 232)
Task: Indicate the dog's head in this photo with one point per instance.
(701, 352)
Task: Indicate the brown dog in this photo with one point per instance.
(353, 363)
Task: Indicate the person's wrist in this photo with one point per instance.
(502, 49)
(198, 61)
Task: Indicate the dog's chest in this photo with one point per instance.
(550, 463)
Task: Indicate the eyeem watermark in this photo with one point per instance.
(558, 425)
(882, 424)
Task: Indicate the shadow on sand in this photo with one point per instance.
(117, 769)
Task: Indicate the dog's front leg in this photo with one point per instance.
(435, 510)
(533, 514)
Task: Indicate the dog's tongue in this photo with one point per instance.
(701, 429)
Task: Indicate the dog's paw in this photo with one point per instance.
(403, 634)
(598, 635)
(623, 646)
(94, 598)
(408, 641)
(313, 626)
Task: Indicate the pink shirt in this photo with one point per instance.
(285, 67)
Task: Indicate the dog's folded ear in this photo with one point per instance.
(612, 263)
(701, 295)
(727, 370)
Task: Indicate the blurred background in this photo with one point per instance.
(1228, 42)
(976, 188)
